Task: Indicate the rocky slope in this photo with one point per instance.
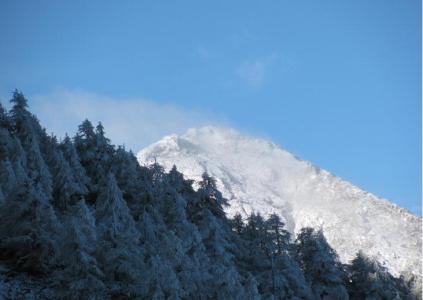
(257, 175)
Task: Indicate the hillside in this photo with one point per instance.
(81, 219)
(259, 176)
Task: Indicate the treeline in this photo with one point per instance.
(81, 219)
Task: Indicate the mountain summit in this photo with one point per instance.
(259, 176)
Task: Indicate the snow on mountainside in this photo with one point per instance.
(257, 175)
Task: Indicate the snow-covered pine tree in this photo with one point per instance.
(255, 258)
(205, 210)
(176, 241)
(279, 237)
(95, 154)
(70, 154)
(287, 278)
(162, 280)
(211, 197)
(25, 127)
(413, 284)
(119, 250)
(320, 265)
(237, 223)
(8, 180)
(132, 179)
(80, 276)
(67, 190)
(2, 197)
(104, 150)
(4, 119)
(29, 231)
(266, 256)
(85, 141)
(225, 282)
(5, 137)
(12, 159)
(18, 161)
(187, 252)
(251, 291)
(368, 279)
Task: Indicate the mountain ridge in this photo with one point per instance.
(257, 175)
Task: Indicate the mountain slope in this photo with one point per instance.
(257, 175)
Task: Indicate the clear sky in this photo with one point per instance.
(335, 82)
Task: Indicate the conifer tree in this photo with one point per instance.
(287, 281)
(5, 137)
(85, 144)
(25, 125)
(132, 180)
(370, 280)
(81, 277)
(211, 197)
(189, 257)
(119, 250)
(320, 265)
(70, 154)
(66, 188)
(2, 197)
(18, 162)
(237, 224)
(4, 118)
(251, 291)
(104, 150)
(225, 282)
(8, 180)
(28, 231)
(162, 281)
(412, 284)
(278, 235)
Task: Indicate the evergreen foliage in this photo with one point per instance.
(81, 219)
(370, 280)
(320, 265)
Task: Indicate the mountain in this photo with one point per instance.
(256, 175)
(82, 219)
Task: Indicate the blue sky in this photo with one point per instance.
(335, 82)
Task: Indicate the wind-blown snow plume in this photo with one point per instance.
(257, 175)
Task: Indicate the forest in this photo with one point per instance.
(81, 219)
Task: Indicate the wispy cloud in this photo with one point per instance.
(133, 122)
(254, 72)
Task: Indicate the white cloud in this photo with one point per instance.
(133, 122)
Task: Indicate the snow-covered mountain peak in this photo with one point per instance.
(257, 175)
